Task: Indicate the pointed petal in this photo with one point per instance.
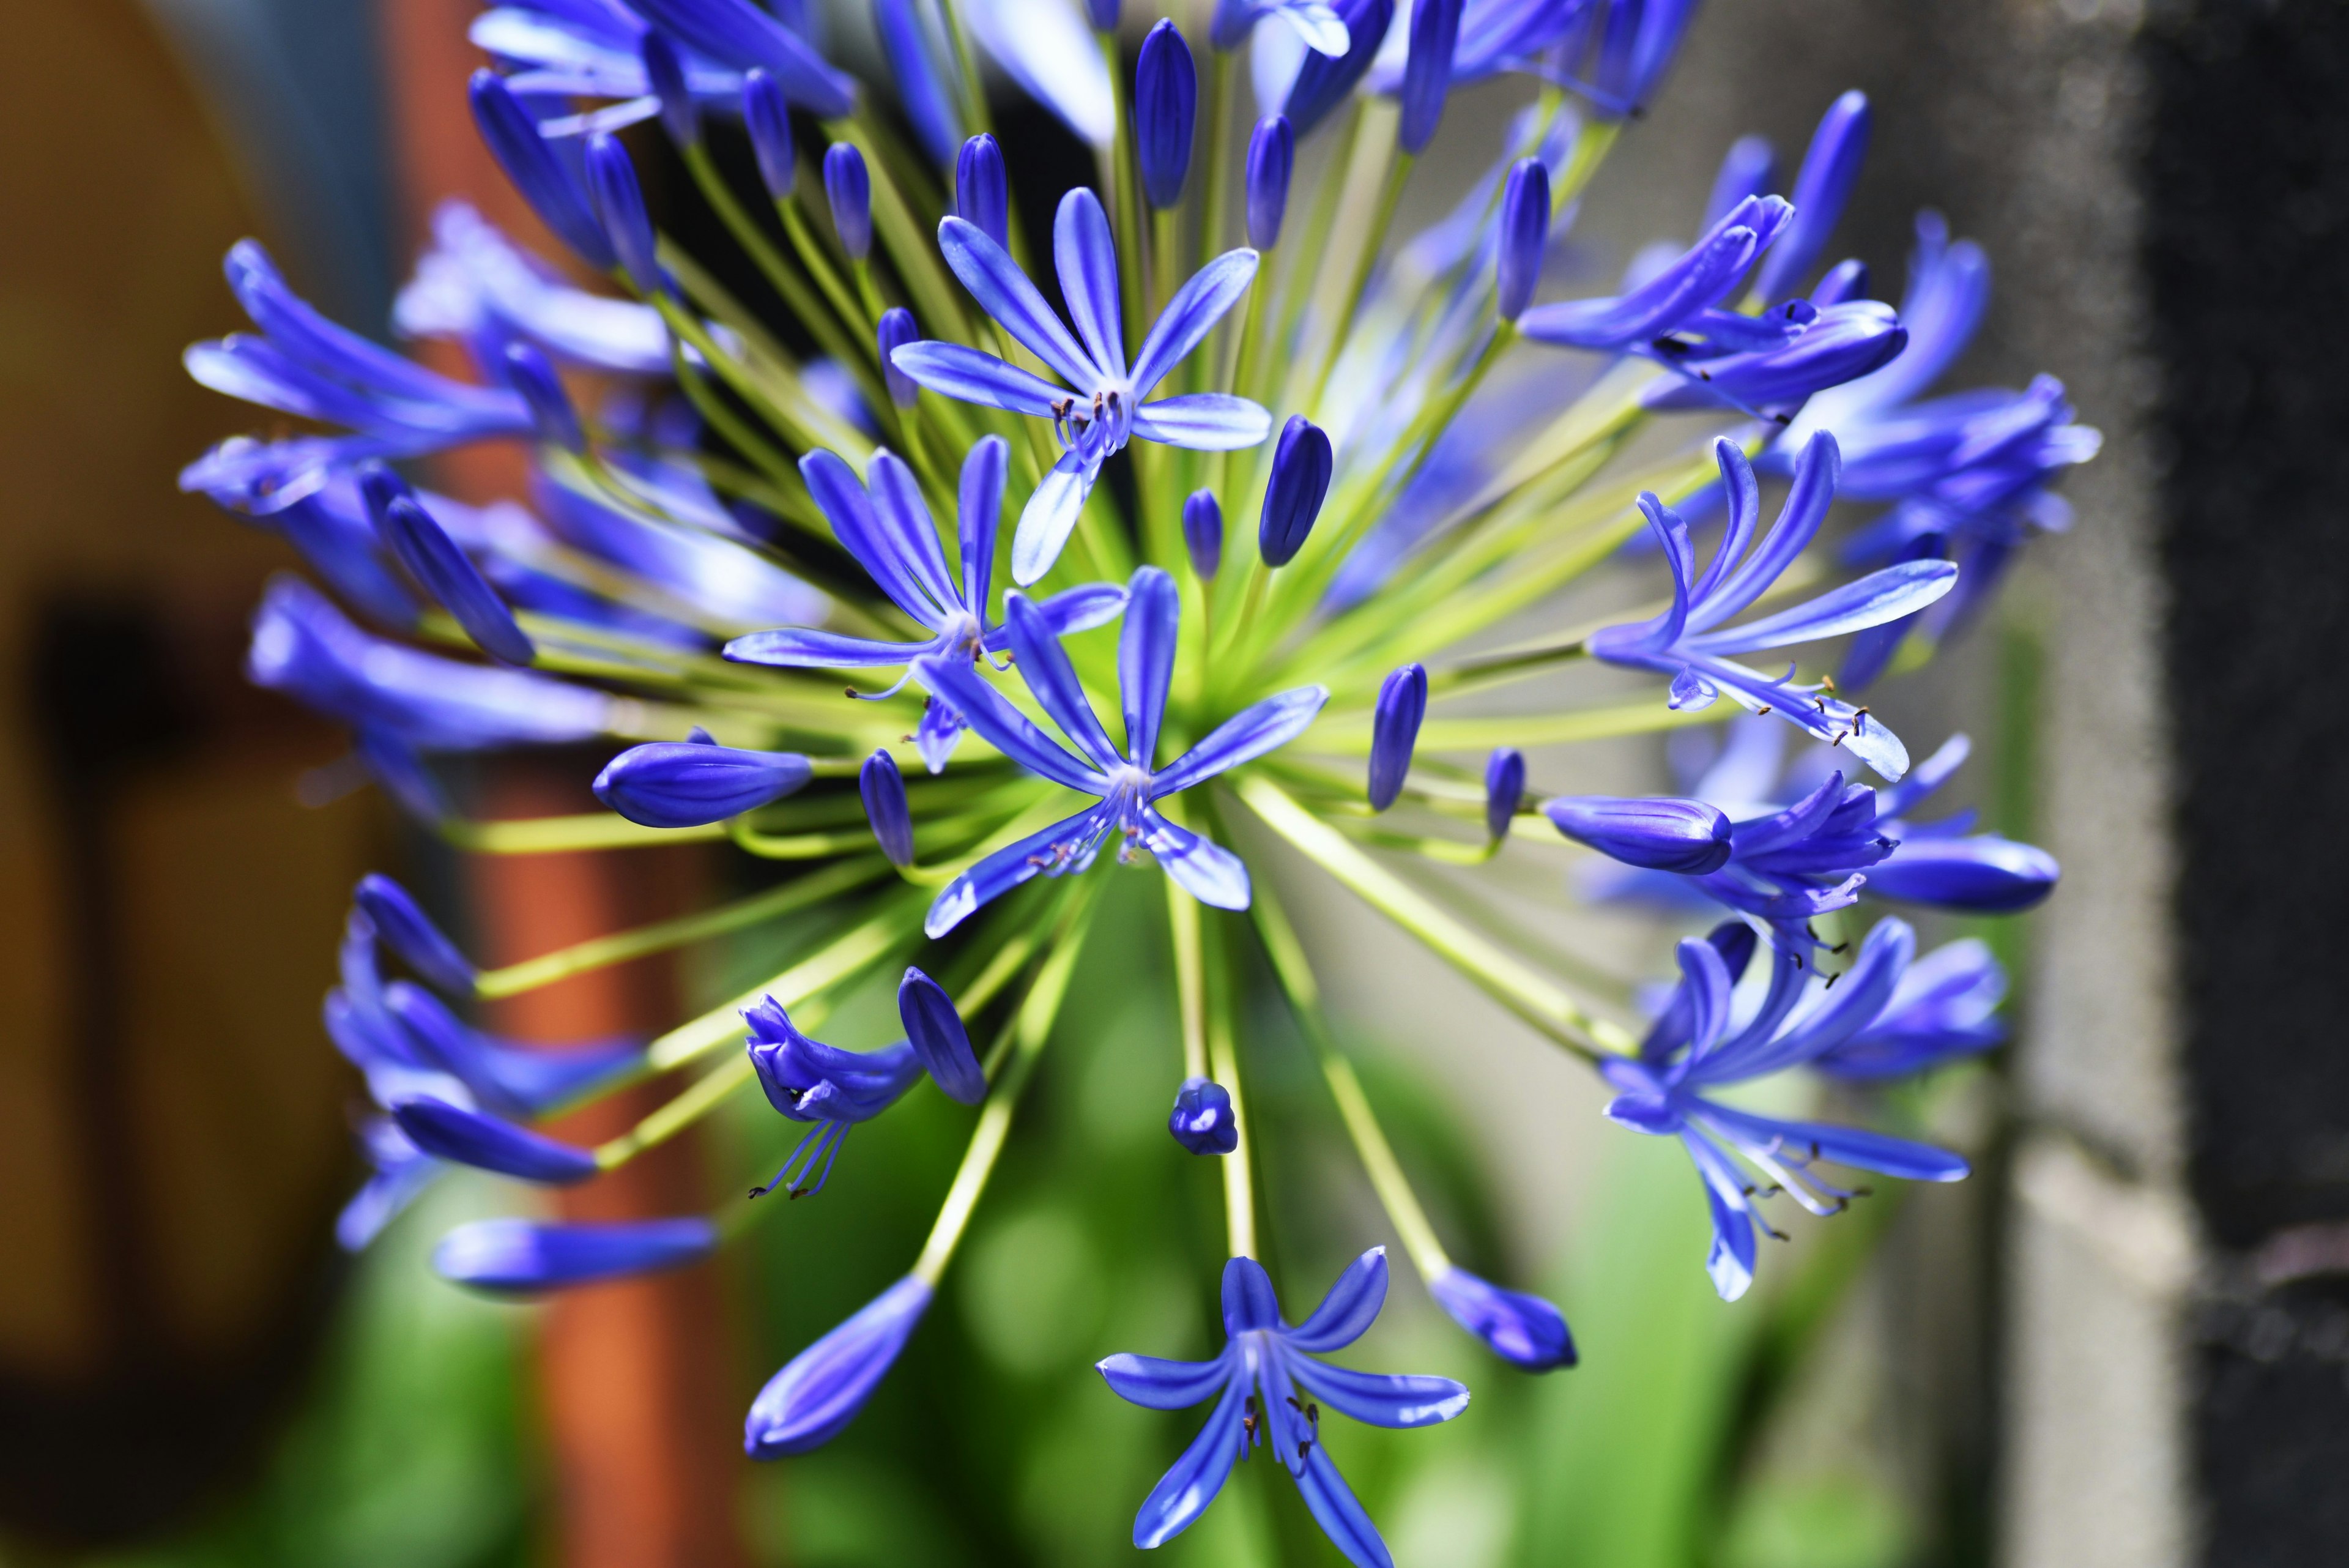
(1348, 1310)
(906, 529)
(1044, 666)
(977, 510)
(1248, 1297)
(467, 1137)
(1050, 515)
(1878, 598)
(855, 523)
(1206, 870)
(1087, 259)
(1007, 867)
(1262, 727)
(952, 371)
(823, 1388)
(1183, 1494)
(1731, 1260)
(1859, 999)
(1004, 292)
(1341, 1517)
(1082, 609)
(1817, 470)
(1828, 719)
(1705, 980)
(1204, 422)
(1854, 1147)
(1191, 315)
(1158, 1385)
(1007, 729)
(794, 647)
(1382, 1399)
(1709, 270)
(935, 1030)
(1145, 660)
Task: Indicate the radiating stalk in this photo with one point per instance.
(1030, 1027)
(1223, 1061)
(896, 925)
(1190, 976)
(1295, 973)
(619, 946)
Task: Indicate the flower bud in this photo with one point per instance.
(1301, 465)
(935, 1031)
(520, 1256)
(1657, 834)
(895, 330)
(922, 90)
(666, 73)
(1519, 1328)
(1394, 731)
(884, 789)
(1325, 81)
(1165, 110)
(848, 186)
(1821, 189)
(1203, 532)
(620, 205)
(1525, 236)
(1842, 344)
(409, 931)
(769, 121)
(448, 575)
(532, 374)
(1505, 789)
(1427, 71)
(1981, 875)
(1202, 1120)
(687, 783)
(1844, 281)
(808, 1403)
(1271, 158)
(542, 177)
(469, 1138)
(982, 193)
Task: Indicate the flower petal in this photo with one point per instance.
(1004, 292)
(1184, 1492)
(1159, 1385)
(523, 1255)
(1006, 868)
(450, 1132)
(1248, 1299)
(1730, 1261)
(979, 507)
(796, 648)
(1348, 1310)
(1335, 1509)
(935, 1030)
(820, 1390)
(906, 529)
(1854, 1147)
(1206, 870)
(1398, 1399)
(1051, 513)
(1087, 259)
(1145, 659)
(1872, 600)
(1261, 727)
(1520, 1328)
(1007, 729)
(954, 371)
(860, 532)
(1191, 315)
(1044, 666)
(1204, 422)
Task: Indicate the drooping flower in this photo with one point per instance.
(1107, 406)
(1695, 1047)
(1520, 1328)
(809, 1081)
(1681, 642)
(568, 49)
(1945, 1006)
(1268, 1387)
(1681, 297)
(1128, 786)
(887, 529)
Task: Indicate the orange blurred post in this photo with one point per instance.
(641, 1397)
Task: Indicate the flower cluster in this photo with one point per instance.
(1430, 438)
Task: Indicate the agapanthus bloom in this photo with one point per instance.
(1308, 626)
(1269, 1387)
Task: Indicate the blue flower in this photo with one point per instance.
(848, 191)
(1127, 785)
(1427, 72)
(1203, 1120)
(1968, 474)
(1681, 642)
(1107, 408)
(1945, 1006)
(305, 647)
(476, 286)
(1271, 160)
(1821, 186)
(1694, 1047)
(887, 529)
(1519, 1328)
(922, 82)
(1053, 57)
(809, 1081)
(1942, 866)
(982, 192)
(466, 1137)
(822, 1388)
(596, 50)
(1203, 533)
(883, 790)
(400, 1173)
(1394, 733)
(520, 1256)
(1269, 1388)
(1165, 112)
(304, 365)
(739, 36)
(508, 1078)
(1832, 345)
(1324, 78)
(1681, 296)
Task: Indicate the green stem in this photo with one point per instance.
(1029, 1029)
(1224, 1061)
(847, 955)
(1295, 973)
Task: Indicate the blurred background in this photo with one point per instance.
(2126, 1341)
